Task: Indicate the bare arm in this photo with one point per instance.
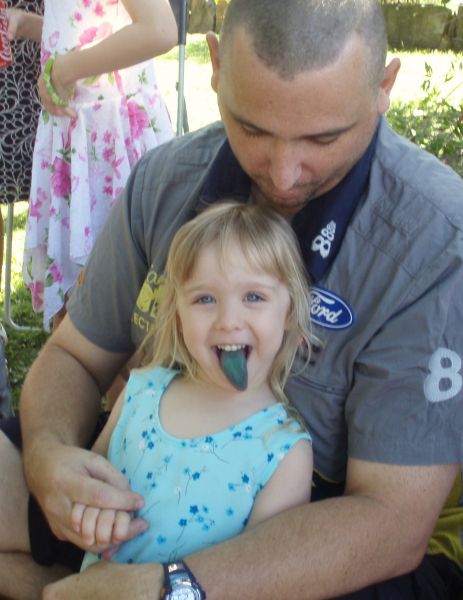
(153, 31)
(59, 407)
(289, 485)
(102, 443)
(23, 25)
(102, 530)
(377, 518)
(296, 553)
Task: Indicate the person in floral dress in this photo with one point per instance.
(102, 111)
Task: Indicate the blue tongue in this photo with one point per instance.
(235, 367)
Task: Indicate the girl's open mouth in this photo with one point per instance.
(233, 362)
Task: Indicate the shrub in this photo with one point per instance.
(434, 121)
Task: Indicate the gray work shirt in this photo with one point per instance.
(386, 385)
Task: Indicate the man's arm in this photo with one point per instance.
(59, 407)
(378, 530)
(102, 530)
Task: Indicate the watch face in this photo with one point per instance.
(184, 592)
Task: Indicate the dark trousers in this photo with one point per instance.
(436, 578)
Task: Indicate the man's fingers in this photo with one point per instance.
(136, 526)
(100, 485)
(99, 468)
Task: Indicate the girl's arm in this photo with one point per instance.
(153, 31)
(23, 25)
(289, 485)
(102, 442)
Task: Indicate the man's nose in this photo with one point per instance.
(285, 166)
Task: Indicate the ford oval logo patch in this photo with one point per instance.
(329, 310)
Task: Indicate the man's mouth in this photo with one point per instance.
(233, 362)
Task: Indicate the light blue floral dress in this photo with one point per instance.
(81, 165)
(200, 491)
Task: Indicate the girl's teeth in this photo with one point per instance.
(231, 347)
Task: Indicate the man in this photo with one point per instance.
(302, 88)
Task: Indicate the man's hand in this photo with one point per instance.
(109, 581)
(78, 476)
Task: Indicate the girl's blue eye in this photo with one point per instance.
(205, 300)
(253, 297)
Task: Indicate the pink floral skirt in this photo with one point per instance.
(80, 167)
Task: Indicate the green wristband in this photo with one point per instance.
(48, 84)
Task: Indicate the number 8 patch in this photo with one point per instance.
(444, 380)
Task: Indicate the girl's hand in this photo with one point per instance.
(102, 530)
(23, 25)
(64, 91)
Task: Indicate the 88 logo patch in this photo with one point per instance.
(322, 243)
(444, 380)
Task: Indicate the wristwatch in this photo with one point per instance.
(180, 583)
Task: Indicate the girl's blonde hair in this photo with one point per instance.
(269, 244)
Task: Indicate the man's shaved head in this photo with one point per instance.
(294, 36)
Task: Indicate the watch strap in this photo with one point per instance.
(177, 567)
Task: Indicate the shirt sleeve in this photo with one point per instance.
(406, 404)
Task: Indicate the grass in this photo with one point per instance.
(23, 347)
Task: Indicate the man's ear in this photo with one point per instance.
(213, 44)
(386, 85)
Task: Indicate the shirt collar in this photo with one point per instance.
(320, 226)
(226, 178)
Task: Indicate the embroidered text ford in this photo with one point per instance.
(329, 310)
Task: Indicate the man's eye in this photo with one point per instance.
(253, 297)
(251, 132)
(325, 141)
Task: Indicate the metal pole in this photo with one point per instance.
(182, 27)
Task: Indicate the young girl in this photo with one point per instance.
(204, 431)
(99, 117)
